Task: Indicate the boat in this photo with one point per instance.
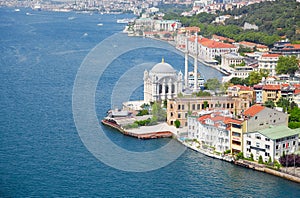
(100, 24)
(17, 10)
(125, 20)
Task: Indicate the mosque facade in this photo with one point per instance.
(162, 82)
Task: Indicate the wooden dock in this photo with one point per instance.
(144, 136)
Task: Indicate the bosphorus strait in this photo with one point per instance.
(42, 154)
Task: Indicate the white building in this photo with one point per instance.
(231, 59)
(271, 142)
(211, 130)
(296, 97)
(162, 82)
(268, 62)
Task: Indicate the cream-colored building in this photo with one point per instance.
(231, 59)
(161, 83)
(180, 108)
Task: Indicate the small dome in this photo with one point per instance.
(163, 68)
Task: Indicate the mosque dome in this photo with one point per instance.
(163, 68)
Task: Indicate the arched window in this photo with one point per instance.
(160, 89)
(166, 89)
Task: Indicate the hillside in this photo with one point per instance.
(281, 17)
(275, 20)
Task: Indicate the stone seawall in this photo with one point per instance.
(263, 168)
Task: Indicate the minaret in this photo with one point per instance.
(196, 65)
(186, 63)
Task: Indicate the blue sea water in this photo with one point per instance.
(41, 152)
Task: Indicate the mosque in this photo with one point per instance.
(162, 82)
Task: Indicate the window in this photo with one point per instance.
(258, 137)
(257, 144)
(235, 134)
(182, 106)
(236, 142)
(267, 139)
(198, 106)
(179, 115)
(178, 107)
(267, 146)
(248, 143)
(267, 154)
(193, 107)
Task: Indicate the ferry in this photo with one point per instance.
(125, 20)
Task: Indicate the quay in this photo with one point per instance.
(263, 168)
(152, 132)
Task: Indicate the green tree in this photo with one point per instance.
(237, 81)
(225, 86)
(255, 77)
(201, 93)
(142, 112)
(177, 123)
(287, 65)
(240, 155)
(205, 104)
(294, 118)
(213, 84)
(251, 157)
(295, 115)
(260, 160)
(284, 103)
(158, 113)
(269, 103)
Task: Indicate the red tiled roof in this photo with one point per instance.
(271, 87)
(193, 28)
(221, 38)
(295, 46)
(297, 91)
(296, 86)
(230, 120)
(204, 117)
(261, 46)
(211, 43)
(285, 85)
(242, 88)
(215, 44)
(271, 55)
(247, 43)
(255, 109)
(250, 44)
(216, 118)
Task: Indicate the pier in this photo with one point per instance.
(152, 132)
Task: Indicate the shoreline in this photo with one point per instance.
(202, 61)
(227, 158)
(244, 163)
